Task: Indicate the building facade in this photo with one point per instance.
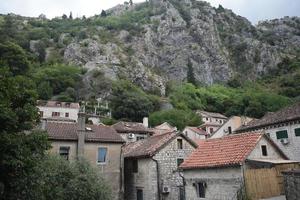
(58, 111)
(283, 127)
(151, 167)
(133, 131)
(216, 170)
(232, 124)
(100, 145)
(195, 133)
(211, 121)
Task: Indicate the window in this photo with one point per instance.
(66, 114)
(297, 132)
(55, 114)
(264, 150)
(201, 189)
(229, 130)
(139, 194)
(281, 134)
(179, 161)
(102, 155)
(206, 118)
(41, 113)
(135, 166)
(211, 130)
(64, 152)
(179, 143)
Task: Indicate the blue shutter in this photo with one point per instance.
(102, 155)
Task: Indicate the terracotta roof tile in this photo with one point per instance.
(229, 150)
(286, 114)
(69, 131)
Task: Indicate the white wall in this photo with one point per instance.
(47, 112)
(272, 152)
(293, 148)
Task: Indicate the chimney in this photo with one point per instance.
(81, 134)
(43, 124)
(145, 122)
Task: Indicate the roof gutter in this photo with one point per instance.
(158, 177)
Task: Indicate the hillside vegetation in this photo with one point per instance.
(193, 55)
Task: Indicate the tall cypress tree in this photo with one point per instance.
(190, 73)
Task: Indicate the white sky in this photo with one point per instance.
(254, 10)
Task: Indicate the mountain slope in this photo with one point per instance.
(151, 43)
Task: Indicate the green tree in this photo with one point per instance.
(190, 73)
(56, 178)
(13, 56)
(130, 102)
(70, 16)
(178, 118)
(130, 2)
(19, 151)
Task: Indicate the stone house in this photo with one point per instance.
(232, 124)
(283, 127)
(211, 121)
(151, 166)
(100, 145)
(58, 111)
(217, 168)
(133, 131)
(163, 128)
(195, 133)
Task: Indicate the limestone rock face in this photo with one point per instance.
(219, 44)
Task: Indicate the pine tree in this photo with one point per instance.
(130, 2)
(190, 73)
(70, 16)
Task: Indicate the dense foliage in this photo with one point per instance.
(250, 100)
(56, 178)
(129, 102)
(178, 118)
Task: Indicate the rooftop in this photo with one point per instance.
(58, 104)
(197, 130)
(131, 127)
(286, 114)
(94, 133)
(148, 147)
(221, 152)
(211, 114)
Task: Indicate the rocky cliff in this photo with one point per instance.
(151, 43)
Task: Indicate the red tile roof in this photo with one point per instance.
(131, 127)
(69, 131)
(210, 114)
(150, 146)
(286, 114)
(227, 151)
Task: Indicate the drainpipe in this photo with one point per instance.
(183, 181)
(158, 178)
(244, 181)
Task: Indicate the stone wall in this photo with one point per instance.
(167, 159)
(221, 183)
(146, 177)
(292, 184)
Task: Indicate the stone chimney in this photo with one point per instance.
(81, 134)
(145, 122)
